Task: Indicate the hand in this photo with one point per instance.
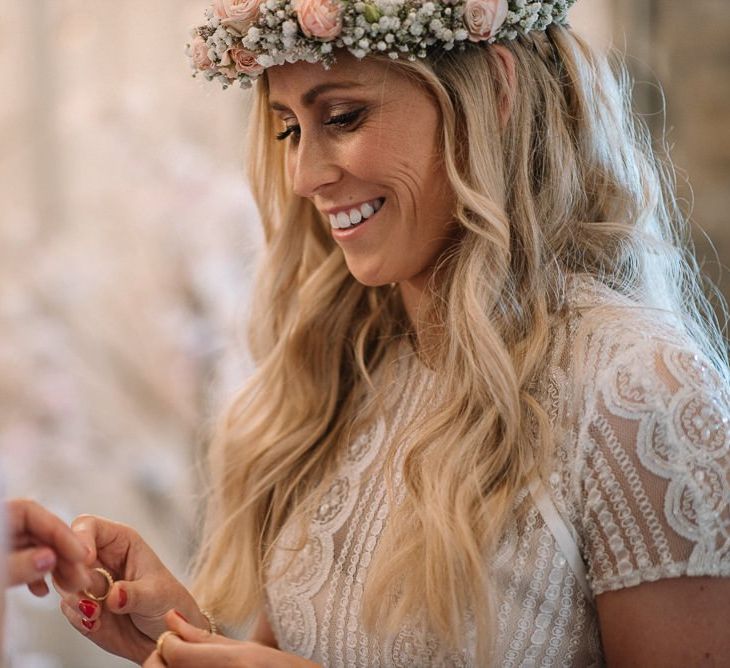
(130, 619)
(41, 543)
(194, 648)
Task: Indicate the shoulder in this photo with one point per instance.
(650, 446)
(614, 340)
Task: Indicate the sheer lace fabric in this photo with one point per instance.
(642, 425)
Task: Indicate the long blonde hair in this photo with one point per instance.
(568, 186)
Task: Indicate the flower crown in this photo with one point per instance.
(241, 38)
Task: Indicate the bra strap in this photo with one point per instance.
(562, 533)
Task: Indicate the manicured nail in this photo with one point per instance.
(88, 624)
(181, 616)
(122, 597)
(44, 561)
(87, 608)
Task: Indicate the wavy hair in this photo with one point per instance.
(568, 185)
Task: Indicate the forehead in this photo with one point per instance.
(287, 83)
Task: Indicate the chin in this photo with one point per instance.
(368, 277)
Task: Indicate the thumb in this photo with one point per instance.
(128, 597)
(30, 565)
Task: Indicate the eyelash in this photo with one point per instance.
(341, 121)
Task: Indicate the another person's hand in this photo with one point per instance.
(41, 543)
(190, 647)
(130, 619)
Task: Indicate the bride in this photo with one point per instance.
(490, 421)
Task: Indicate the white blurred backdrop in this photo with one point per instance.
(127, 247)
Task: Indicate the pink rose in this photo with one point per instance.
(244, 61)
(483, 18)
(237, 14)
(199, 54)
(320, 18)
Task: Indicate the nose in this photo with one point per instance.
(313, 165)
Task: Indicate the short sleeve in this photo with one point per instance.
(654, 443)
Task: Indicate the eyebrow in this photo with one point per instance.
(311, 95)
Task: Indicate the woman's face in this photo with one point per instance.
(363, 146)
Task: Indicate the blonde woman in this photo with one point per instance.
(490, 419)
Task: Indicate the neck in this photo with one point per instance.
(414, 294)
(413, 298)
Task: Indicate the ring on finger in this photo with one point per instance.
(161, 642)
(110, 583)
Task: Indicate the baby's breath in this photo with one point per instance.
(396, 28)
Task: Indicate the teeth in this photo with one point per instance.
(344, 220)
(355, 216)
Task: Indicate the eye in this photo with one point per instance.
(346, 119)
(289, 130)
(340, 121)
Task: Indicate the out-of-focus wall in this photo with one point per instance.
(685, 47)
(127, 243)
(127, 239)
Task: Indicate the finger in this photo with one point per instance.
(38, 588)
(127, 597)
(85, 528)
(105, 541)
(89, 609)
(29, 565)
(192, 634)
(80, 608)
(72, 576)
(29, 517)
(80, 623)
(177, 653)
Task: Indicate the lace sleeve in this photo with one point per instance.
(655, 465)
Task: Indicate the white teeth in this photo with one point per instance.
(344, 220)
(367, 210)
(355, 216)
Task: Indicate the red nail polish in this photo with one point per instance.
(87, 608)
(122, 597)
(181, 616)
(88, 624)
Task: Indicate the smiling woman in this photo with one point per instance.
(490, 424)
(364, 149)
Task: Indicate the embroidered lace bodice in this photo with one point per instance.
(641, 479)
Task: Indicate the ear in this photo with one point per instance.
(509, 70)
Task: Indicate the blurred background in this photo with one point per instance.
(128, 241)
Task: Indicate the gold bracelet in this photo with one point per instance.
(211, 620)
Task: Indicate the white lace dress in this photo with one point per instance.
(640, 492)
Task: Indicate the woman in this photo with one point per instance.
(489, 424)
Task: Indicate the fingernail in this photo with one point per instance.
(122, 597)
(88, 624)
(181, 616)
(87, 608)
(44, 561)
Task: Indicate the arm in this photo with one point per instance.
(656, 510)
(671, 623)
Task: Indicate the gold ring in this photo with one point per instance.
(110, 581)
(161, 641)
